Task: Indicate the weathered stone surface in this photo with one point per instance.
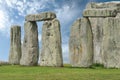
(97, 30)
(111, 42)
(105, 5)
(51, 52)
(118, 15)
(81, 44)
(15, 45)
(41, 17)
(100, 13)
(30, 48)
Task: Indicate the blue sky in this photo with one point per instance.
(14, 11)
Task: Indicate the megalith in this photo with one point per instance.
(15, 45)
(97, 13)
(44, 16)
(81, 44)
(97, 31)
(51, 52)
(104, 22)
(30, 47)
(111, 42)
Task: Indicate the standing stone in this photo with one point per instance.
(30, 48)
(104, 20)
(15, 45)
(80, 44)
(111, 42)
(51, 53)
(97, 30)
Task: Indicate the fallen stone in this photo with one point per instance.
(15, 45)
(41, 17)
(111, 42)
(30, 48)
(51, 52)
(81, 44)
(99, 13)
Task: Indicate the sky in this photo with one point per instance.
(13, 12)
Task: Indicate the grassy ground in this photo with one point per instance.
(51, 73)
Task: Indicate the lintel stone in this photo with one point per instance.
(41, 17)
(100, 13)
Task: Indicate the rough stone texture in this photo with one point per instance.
(41, 17)
(99, 13)
(111, 42)
(103, 25)
(51, 53)
(80, 44)
(15, 45)
(107, 5)
(97, 28)
(30, 48)
(118, 15)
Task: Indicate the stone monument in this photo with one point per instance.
(15, 45)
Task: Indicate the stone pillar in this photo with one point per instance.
(97, 13)
(51, 53)
(30, 47)
(111, 42)
(97, 30)
(81, 44)
(15, 45)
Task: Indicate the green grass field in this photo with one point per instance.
(53, 73)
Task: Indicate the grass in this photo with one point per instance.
(16, 72)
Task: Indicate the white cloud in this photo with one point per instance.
(11, 3)
(64, 13)
(0, 1)
(25, 7)
(67, 13)
(4, 22)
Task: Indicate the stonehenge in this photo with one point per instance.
(15, 45)
(30, 48)
(97, 31)
(104, 23)
(111, 42)
(94, 39)
(51, 52)
(80, 43)
(41, 17)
